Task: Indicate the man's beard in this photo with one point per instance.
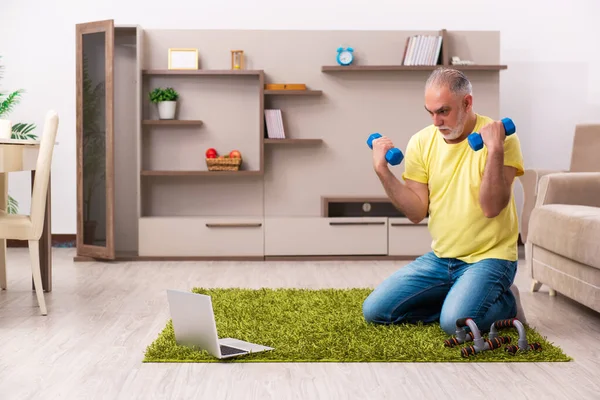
(458, 129)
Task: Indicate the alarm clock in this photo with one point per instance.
(345, 56)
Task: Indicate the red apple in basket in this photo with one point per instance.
(211, 153)
(235, 154)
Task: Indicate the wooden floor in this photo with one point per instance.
(102, 316)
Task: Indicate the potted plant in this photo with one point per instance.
(166, 100)
(19, 131)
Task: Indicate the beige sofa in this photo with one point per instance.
(563, 242)
(560, 222)
(584, 158)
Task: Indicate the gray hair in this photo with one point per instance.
(452, 78)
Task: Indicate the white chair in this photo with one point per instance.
(30, 227)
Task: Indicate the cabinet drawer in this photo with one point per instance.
(200, 236)
(408, 239)
(325, 236)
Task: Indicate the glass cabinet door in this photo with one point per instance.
(95, 139)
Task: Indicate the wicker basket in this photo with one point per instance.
(223, 164)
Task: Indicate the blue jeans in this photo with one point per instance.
(432, 289)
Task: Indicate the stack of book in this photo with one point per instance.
(422, 50)
(274, 124)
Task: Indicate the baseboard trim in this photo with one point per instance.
(58, 239)
(133, 258)
(340, 258)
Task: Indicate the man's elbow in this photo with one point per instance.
(491, 213)
(416, 219)
(493, 210)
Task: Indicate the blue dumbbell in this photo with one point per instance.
(393, 156)
(476, 142)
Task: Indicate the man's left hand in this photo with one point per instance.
(493, 136)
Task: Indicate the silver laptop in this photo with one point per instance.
(194, 325)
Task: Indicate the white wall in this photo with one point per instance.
(552, 53)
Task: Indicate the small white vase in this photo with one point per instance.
(166, 109)
(5, 129)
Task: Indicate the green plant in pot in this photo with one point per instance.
(166, 101)
(23, 131)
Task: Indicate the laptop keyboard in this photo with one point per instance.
(227, 351)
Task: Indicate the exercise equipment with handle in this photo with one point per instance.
(479, 343)
(476, 141)
(460, 338)
(490, 344)
(494, 340)
(522, 343)
(512, 349)
(393, 156)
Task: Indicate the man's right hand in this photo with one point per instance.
(410, 197)
(380, 147)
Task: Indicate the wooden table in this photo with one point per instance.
(21, 155)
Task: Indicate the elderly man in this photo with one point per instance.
(473, 221)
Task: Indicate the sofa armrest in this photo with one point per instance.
(577, 188)
(530, 183)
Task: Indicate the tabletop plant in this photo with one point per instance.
(20, 130)
(166, 101)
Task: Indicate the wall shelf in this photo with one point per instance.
(147, 172)
(293, 141)
(479, 67)
(339, 68)
(294, 92)
(198, 72)
(171, 122)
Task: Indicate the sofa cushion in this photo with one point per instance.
(572, 231)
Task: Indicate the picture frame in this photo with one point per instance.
(183, 58)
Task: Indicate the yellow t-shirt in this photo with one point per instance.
(453, 173)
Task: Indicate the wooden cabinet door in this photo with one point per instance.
(95, 139)
(320, 236)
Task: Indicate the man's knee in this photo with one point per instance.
(372, 310)
(448, 321)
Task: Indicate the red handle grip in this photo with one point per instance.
(504, 323)
(467, 351)
(497, 342)
(511, 349)
(535, 346)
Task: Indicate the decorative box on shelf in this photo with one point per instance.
(285, 86)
